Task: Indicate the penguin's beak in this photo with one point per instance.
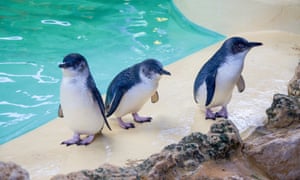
(254, 44)
(165, 72)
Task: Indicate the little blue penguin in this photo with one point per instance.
(131, 88)
(215, 81)
(81, 104)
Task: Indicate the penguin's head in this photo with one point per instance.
(74, 64)
(153, 69)
(237, 45)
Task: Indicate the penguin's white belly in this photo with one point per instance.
(133, 100)
(81, 112)
(201, 95)
(226, 79)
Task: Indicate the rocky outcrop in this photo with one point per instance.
(284, 111)
(275, 148)
(12, 171)
(212, 156)
(176, 160)
(294, 83)
(276, 153)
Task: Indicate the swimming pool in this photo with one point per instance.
(36, 35)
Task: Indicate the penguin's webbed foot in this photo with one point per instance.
(140, 119)
(70, 142)
(75, 140)
(222, 113)
(125, 125)
(87, 140)
(210, 115)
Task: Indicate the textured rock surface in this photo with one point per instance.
(277, 153)
(176, 160)
(270, 153)
(236, 168)
(275, 148)
(284, 111)
(12, 171)
(294, 83)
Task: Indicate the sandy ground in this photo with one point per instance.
(267, 71)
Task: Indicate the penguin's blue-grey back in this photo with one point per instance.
(230, 48)
(119, 85)
(128, 78)
(209, 71)
(97, 97)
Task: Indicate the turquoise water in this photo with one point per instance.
(35, 36)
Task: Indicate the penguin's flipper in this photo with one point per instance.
(210, 86)
(114, 101)
(155, 97)
(97, 97)
(241, 84)
(60, 111)
(118, 87)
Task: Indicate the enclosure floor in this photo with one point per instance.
(267, 71)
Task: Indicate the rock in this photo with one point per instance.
(73, 176)
(215, 155)
(277, 154)
(275, 148)
(236, 168)
(284, 111)
(218, 143)
(294, 83)
(12, 171)
(175, 160)
(106, 171)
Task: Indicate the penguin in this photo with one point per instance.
(215, 81)
(131, 88)
(81, 104)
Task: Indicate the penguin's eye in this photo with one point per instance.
(237, 48)
(241, 46)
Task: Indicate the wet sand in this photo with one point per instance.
(267, 71)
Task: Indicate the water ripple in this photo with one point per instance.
(42, 98)
(56, 22)
(12, 38)
(27, 106)
(17, 117)
(6, 80)
(38, 76)
(9, 63)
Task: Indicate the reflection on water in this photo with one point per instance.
(56, 22)
(12, 38)
(36, 35)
